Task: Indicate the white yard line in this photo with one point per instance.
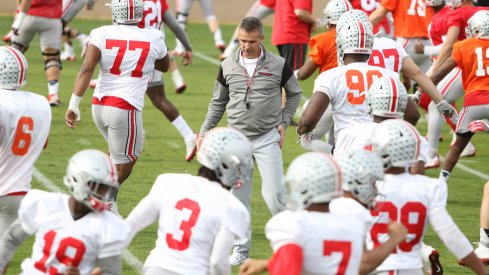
(470, 170)
(128, 257)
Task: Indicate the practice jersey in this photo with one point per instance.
(411, 200)
(331, 243)
(411, 17)
(458, 18)
(471, 56)
(323, 50)
(368, 6)
(353, 209)
(439, 26)
(60, 239)
(153, 14)
(346, 87)
(190, 211)
(128, 55)
(25, 120)
(46, 8)
(387, 53)
(268, 3)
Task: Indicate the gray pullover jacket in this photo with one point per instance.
(264, 109)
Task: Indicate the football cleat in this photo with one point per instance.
(54, 100)
(191, 148)
(469, 150)
(67, 56)
(482, 252)
(431, 260)
(181, 88)
(432, 163)
(237, 258)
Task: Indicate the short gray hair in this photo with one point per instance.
(251, 24)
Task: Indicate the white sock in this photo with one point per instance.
(484, 239)
(218, 37)
(53, 86)
(81, 37)
(177, 78)
(183, 128)
(444, 175)
(69, 48)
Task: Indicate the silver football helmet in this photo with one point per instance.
(334, 9)
(353, 16)
(127, 11)
(91, 177)
(13, 68)
(454, 3)
(387, 97)
(478, 25)
(354, 38)
(313, 178)
(228, 153)
(361, 169)
(434, 3)
(397, 143)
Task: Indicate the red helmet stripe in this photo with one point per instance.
(362, 33)
(131, 9)
(393, 102)
(347, 5)
(21, 64)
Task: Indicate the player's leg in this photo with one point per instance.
(423, 61)
(482, 250)
(183, 9)
(176, 76)
(68, 53)
(213, 24)
(50, 45)
(26, 33)
(156, 92)
(9, 206)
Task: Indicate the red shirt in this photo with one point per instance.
(46, 8)
(153, 14)
(287, 27)
(368, 6)
(268, 3)
(409, 20)
(459, 17)
(439, 26)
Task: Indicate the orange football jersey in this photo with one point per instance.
(323, 50)
(471, 56)
(411, 17)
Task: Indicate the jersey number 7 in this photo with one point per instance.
(122, 47)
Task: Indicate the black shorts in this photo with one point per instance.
(294, 54)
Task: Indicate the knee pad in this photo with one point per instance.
(156, 84)
(52, 60)
(19, 46)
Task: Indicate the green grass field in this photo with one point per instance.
(164, 148)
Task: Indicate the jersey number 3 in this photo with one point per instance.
(122, 45)
(185, 225)
(22, 138)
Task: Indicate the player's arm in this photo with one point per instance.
(23, 7)
(92, 56)
(306, 70)
(373, 258)
(223, 243)
(111, 265)
(412, 71)
(163, 64)
(144, 214)
(180, 34)
(312, 114)
(441, 71)
(287, 260)
(305, 17)
(377, 15)
(446, 49)
(293, 94)
(10, 241)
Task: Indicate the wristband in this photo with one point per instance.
(74, 102)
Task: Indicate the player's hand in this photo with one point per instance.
(187, 58)
(281, 131)
(397, 231)
(71, 116)
(200, 139)
(479, 126)
(419, 47)
(416, 97)
(71, 270)
(252, 266)
(447, 111)
(97, 271)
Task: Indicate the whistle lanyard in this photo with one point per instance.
(249, 82)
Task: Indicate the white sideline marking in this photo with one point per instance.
(173, 144)
(128, 257)
(469, 170)
(84, 142)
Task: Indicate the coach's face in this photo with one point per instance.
(250, 43)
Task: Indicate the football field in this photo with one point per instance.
(164, 149)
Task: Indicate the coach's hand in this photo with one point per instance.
(187, 58)
(281, 131)
(447, 111)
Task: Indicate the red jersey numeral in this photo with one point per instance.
(22, 139)
(378, 58)
(343, 247)
(185, 225)
(122, 47)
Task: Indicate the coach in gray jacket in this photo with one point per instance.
(249, 87)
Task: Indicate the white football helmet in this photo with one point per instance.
(361, 169)
(334, 9)
(354, 38)
(353, 16)
(454, 3)
(91, 177)
(387, 97)
(397, 143)
(313, 178)
(13, 68)
(127, 11)
(434, 3)
(228, 153)
(478, 25)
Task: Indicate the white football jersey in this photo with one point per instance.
(331, 243)
(351, 208)
(128, 54)
(387, 53)
(411, 200)
(25, 120)
(60, 239)
(346, 87)
(190, 210)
